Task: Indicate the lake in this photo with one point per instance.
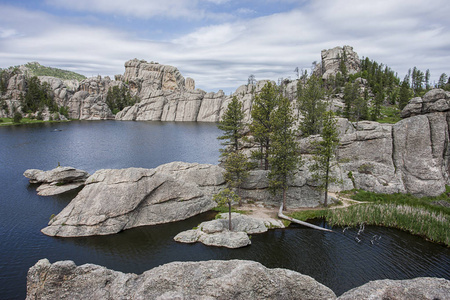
(334, 259)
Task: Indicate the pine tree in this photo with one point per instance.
(324, 153)
(232, 125)
(236, 171)
(375, 113)
(404, 94)
(261, 126)
(226, 196)
(284, 156)
(310, 105)
(442, 81)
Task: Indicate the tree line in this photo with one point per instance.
(273, 135)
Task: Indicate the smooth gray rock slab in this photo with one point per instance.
(423, 288)
(58, 174)
(53, 189)
(216, 279)
(115, 200)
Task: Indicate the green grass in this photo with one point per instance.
(38, 70)
(390, 114)
(304, 215)
(418, 216)
(9, 121)
(432, 225)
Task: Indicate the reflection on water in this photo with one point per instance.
(334, 259)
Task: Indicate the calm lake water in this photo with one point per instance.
(334, 259)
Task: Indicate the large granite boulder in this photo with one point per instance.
(115, 200)
(419, 288)
(57, 181)
(436, 100)
(232, 279)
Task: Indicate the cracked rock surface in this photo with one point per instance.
(114, 200)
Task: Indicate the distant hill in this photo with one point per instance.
(36, 69)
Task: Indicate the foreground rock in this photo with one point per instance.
(234, 279)
(57, 181)
(418, 288)
(216, 233)
(115, 200)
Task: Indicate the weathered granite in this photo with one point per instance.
(216, 232)
(436, 100)
(57, 181)
(231, 279)
(419, 288)
(115, 200)
(331, 59)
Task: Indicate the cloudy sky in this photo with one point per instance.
(220, 43)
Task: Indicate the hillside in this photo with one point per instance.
(36, 69)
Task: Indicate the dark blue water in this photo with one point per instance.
(334, 259)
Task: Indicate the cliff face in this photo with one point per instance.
(166, 96)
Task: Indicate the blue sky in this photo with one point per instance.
(219, 43)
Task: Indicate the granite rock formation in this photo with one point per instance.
(231, 279)
(419, 288)
(115, 200)
(331, 60)
(216, 232)
(56, 181)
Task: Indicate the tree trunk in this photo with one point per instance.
(325, 202)
(229, 216)
(282, 216)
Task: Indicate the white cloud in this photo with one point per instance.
(401, 34)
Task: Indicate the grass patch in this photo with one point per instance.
(390, 114)
(304, 215)
(420, 216)
(10, 121)
(417, 220)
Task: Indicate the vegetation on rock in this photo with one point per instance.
(35, 69)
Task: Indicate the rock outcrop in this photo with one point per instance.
(56, 181)
(332, 58)
(166, 96)
(419, 288)
(411, 156)
(115, 200)
(216, 232)
(232, 279)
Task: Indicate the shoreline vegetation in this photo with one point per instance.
(428, 217)
(10, 121)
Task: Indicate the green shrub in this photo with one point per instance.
(17, 117)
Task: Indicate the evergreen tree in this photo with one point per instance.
(404, 94)
(232, 125)
(417, 79)
(375, 113)
(37, 96)
(226, 196)
(324, 153)
(310, 105)
(442, 81)
(261, 126)
(235, 163)
(351, 95)
(427, 80)
(284, 157)
(236, 171)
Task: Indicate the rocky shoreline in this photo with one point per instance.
(227, 279)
